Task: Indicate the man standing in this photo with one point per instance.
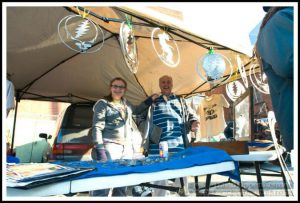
(170, 120)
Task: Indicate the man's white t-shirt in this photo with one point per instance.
(211, 113)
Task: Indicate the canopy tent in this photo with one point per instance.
(42, 67)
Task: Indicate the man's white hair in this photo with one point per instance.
(166, 76)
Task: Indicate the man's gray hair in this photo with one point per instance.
(166, 76)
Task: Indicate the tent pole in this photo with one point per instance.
(15, 119)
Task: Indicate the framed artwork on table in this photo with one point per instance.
(243, 115)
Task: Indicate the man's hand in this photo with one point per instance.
(195, 126)
(155, 96)
(142, 150)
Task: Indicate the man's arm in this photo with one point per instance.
(142, 107)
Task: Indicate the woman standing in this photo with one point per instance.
(112, 128)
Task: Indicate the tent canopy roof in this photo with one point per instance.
(42, 67)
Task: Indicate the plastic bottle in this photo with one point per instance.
(163, 149)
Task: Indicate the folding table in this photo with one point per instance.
(199, 161)
(255, 157)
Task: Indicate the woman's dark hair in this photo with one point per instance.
(109, 97)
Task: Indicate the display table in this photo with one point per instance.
(261, 156)
(255, 157)
(197, 161)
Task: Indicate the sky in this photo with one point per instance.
(228, 24)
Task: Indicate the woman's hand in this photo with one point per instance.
(100, 153)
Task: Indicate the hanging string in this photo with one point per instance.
(211, 50)
(166, 31)
(84, 14)
(236, 73)
(128, 22)
(235, 76)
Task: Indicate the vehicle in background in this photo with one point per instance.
(46, 147)
(73, 139)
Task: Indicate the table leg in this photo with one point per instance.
(207, 184)
(259, 179)
(240, 185)
(182, 189)
(196, 186)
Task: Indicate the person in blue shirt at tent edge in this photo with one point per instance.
(275, 52)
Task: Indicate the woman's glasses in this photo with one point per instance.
(117, 86)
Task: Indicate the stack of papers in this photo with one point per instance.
(29, 175)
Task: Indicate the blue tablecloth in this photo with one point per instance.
(193, 156)
(12, 159)
(259, 144)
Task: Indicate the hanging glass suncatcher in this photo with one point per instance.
(165, 47)
(242, 70)
(80, 33)
(212, 67)
(128, 46)
(259, 80)
(234, 90)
